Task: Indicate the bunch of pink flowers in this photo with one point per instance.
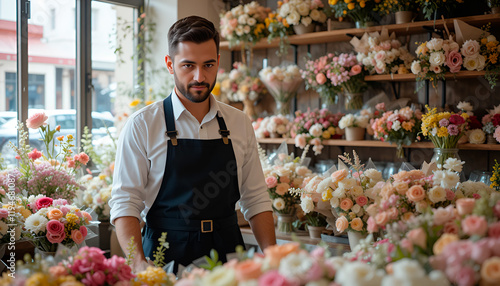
(312, 127)
(91, 267)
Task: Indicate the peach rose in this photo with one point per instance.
(339, 175)
(341, 224)
(393, 213)
(87, 216)
(274, 253)
(77, 236)
(361, 200)
(401, 176)
(490, 271)
(357, 224)
(247, 270)
(36, 120)
(381, 218)
(475, 225)
(443, 241)
(346, 204)
(465, 206)
(387, 191)
(300, 141)
(416, 193)
(416, 175)
(285, 179)
(372, 210)
(282, 188)
(418, 237)
(400, 187)
(407, 216)
(320, 78)
(57, 271)
(55, 214)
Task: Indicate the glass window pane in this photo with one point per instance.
(8, 78)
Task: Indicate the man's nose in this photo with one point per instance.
(198, 75)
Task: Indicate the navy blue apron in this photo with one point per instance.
(197, 197)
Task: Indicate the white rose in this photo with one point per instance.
(251, 21)
(295, 266)
(222, 276)
(239, 31)
(334, 202)
(373, 174)
(437, 58)
(415, 67)
(316, 130)
(471, 63)
(396, 125)
(437, 194)
(303, 9)
(359, 273)
(284, 10)
(470, 48)
(408, 269)
(356, 208)
(362, 121)
(307, 204)
(306, 21)
(450, 180)
(477, 136)
(453, 164)
(339, 193)
(315, 15)
(357, 191)
(348, 183)
(293, 18)
(242, 19)
(465, 106)
(247, 29)
(279, 204)
(482, 62)
(491, 38)
(380, 66)
(435, 44)
(454, 47)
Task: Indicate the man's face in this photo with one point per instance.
(194, 67)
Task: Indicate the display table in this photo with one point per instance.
(310, 243)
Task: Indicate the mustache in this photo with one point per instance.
(197, 84)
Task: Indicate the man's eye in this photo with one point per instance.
(188, 65)
(209, 65)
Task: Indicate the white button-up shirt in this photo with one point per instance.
(142, 154)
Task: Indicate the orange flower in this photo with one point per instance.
(274, 254)
(55, 214)
(443, 241)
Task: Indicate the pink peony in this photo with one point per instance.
(35, 154)
(36, 120)
(321, 78)
(474, 225)
(77, 236)
(55, 227)
(465, 276)
(454, 61)
(465, 206)
(56, 238)
(43, 203)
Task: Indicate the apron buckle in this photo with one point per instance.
(225, 134)
(173, 136)
(207, 226)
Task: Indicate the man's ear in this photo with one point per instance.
(170, 64)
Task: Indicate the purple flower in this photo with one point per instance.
(444, 122)
(453, 130)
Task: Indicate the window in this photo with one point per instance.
(53, 19)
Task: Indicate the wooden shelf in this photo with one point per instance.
(380, 144)
(345, 34)
(412, 77)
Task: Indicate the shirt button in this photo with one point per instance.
(201, 127)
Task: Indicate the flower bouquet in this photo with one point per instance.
(55, 221)
(282, 175)
(304, 13)
(279, 28)
(491, 122)
(434, 59)
(276, 126)
(490, 51)
(240, 86)
(430, 8)
(444, 129)
(355, 126)
(311, 127)
(387, 7)
(358, 11)
(400, 127)
(96, 194)
(283, 84)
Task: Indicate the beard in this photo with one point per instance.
(198, 96)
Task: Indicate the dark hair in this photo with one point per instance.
(191, 29)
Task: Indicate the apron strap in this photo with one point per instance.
(172, 132)
(204, 226)
(169, 119)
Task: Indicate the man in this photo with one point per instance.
(185, 161)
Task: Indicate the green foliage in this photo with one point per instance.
(159, 254)
(212, 261)
(315, 219)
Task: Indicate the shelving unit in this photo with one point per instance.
(346, 34)
(411, 77)
(380, 144)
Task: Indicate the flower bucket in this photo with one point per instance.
(315, 231)
(354, 133)
(354, 238)
(490, 139)
(301, 29)
(403, 17)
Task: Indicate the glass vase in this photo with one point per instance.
(353, 101)
(442, 154)
(285, 220)
(283, 107)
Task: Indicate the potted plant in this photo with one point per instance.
(303, 15)
(354, 126)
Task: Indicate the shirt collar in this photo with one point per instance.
(179, 108)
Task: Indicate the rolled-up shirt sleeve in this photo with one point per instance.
(131, 171)
(254, 196)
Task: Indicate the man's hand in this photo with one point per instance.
(141, 265)
(126, 228)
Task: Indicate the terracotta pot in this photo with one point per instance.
(403, 17)
(354, 133)
(315, 231)
(301, 29)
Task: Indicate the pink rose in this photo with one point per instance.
(361, 200)
(450, 227)
(98, 278)
(273, 278)
(77, 236)
(407, 244)
(4, 213)
(496, 209)
(55, 227)
(56, 238)
(416, 193)
(450, 195)
(35, 154)
(443, 215)
(355, 70)
(480, 252)
(454, 61)
(465, 275)
(494, 230)
(465, 206)
(36, 120)
(84, 231)
(321, 78)
(393, 213)
(371, 225)
(418, 237)
(43, 203)
(381, 218)
(470, 48)
(282, 188)
(341, 224)
(82, 158)
(271, 182)
(474, 225)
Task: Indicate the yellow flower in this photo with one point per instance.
(465, 116)
(153, 276)
(484, 41)
(134, 103)
(326, 135)
(331, 129)
(351, 6)
(216, 90)
(38, 279)
(326, 195)
(407, 125)
(72, 218)
(102, 177)
(333, 2)
(70, 137)
(442, 132)
(245, 89)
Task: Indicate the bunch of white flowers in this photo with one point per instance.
(303, 12)
(351, 120)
